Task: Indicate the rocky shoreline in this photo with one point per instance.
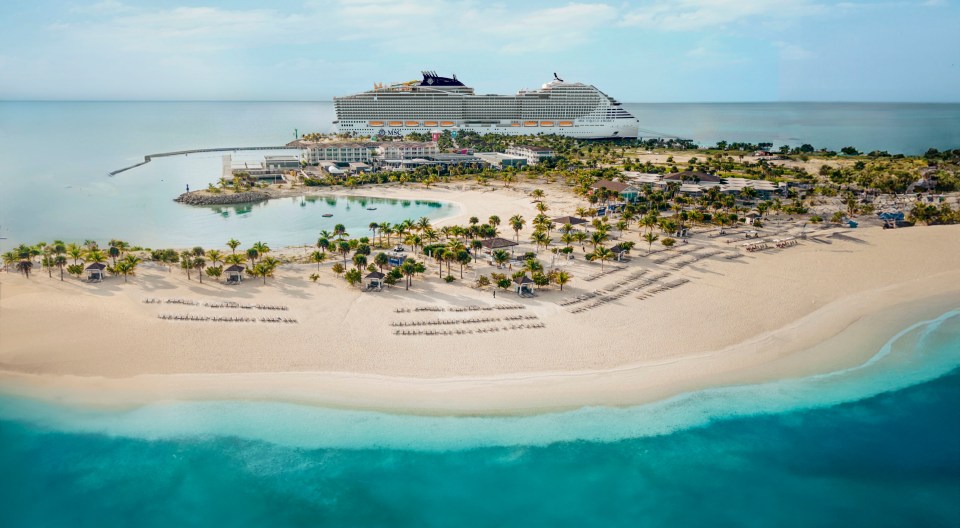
(209, 198)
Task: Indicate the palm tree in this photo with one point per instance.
(235, 260)
(359, 261)
(409, 268)
(561, 278)
(537, 194)
(386, 229)
(438, 255)
(252, 255)
(340, 231)
(318, 257)
(95, 256)
(186, 262)
(501, 257)
(60, 261)
(380, 260)
(516, 223)
(373, 229)
(598, 237)
(475, 247)
(602, 254)
(343, 247)
(262, 249)
(539, 238)
(650, 238)
(75, 252)
(127, 266)
(215, 256)
(198, 264)
(233, 244)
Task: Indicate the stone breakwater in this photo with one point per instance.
(209, 198)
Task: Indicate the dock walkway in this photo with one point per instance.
(149, 157)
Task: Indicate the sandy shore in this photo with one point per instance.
(828, 303)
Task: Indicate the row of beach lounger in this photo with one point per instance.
(608, 271)
(596, 293)
(462, 331)
(460, 308)
(473, 320)
(662, 288)
(678, 254)
(695, 258)
(221, 319)
(621, 294)
(225, 304)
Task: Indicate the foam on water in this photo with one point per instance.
(922, 352)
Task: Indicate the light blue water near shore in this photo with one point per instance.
(55, 156)
(875, 445)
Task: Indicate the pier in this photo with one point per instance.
(149, 157)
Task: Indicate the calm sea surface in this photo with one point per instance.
(877, 445)
(56, 155)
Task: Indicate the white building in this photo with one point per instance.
(533, 155)
(400, 150)
(348, 152)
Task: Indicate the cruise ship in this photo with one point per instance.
(438, 103)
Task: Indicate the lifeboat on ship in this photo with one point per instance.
(546, 123)
(412, 123)
(396, 123)
(430, 123)
(515, 124)
(566, 123)
(529, 123)
(375, 123)
(446, 123)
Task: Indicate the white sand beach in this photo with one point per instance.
(827, 303)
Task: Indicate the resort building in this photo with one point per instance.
(532, 154)
(626, 191)
(347, 152)
(703, 179)
(568, 220)
(502, 161)
(400, 150)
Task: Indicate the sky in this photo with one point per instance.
(634, 50)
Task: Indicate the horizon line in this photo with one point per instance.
(3, 100)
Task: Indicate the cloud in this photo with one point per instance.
(792, 52)
(694, 15)
(466, 25)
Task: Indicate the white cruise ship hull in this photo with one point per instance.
(619, 128)
(437, 103)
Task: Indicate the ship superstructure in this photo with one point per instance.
(438, 103)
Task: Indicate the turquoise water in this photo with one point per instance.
(56, 156)
(875, 445)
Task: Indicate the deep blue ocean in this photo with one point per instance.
(876, 445)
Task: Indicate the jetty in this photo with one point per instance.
(149, 157)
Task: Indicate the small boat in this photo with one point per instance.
(327, 215)
(371, 208)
